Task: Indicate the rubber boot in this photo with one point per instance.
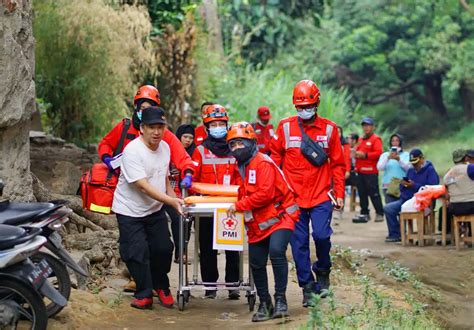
(323, 282)
(264, 312)
(281, 307)
(308, 294)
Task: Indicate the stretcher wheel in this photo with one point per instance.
(181, 302)
(251, 300)
(186, 294)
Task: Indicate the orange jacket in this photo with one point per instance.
(373, 148)
(264, 136)
(200, 134)
(266, 199)
(214, 169)
(310, 183)
(179, 156)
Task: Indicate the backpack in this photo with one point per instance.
(98, 185)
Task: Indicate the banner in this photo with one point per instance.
(228, 231)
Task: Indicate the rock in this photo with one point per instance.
(17, 96)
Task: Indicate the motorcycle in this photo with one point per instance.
(23, 284)
(49, 217)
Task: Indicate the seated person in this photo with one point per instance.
(422, 173)
(460, 187)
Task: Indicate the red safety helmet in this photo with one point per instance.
(147, 92)
(241, 130)
(214, 112)
(306, 92)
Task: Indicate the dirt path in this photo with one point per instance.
(444, 268)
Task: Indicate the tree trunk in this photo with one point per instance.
(434, 94)
(466, 92)
(213, 23)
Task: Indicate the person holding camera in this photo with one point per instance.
(309, 151)
(394, 164)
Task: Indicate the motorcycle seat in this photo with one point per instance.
(20, 213)
(11, 235)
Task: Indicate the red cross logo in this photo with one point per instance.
(229, 224)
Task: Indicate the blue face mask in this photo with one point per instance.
(307, 113)
(218, 132)
(139, 115)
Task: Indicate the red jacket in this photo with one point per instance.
(346, 148)
(373, 148)
(214, 169)
(264, 136)
(310, 183)
(200, 134)
(179, 156)
(266, 199)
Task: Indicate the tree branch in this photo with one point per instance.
(385, 97)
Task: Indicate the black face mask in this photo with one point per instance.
(243, 155)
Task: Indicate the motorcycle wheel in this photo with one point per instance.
(59, 278)
(28, 303)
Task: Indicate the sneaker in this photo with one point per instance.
(379, 218)
(362, 218)
(165, 298)
(130, 286)
(210, 294)
(234, 294)
(308, 294)
(144, 303)
(393, 239)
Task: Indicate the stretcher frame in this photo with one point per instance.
(185, 285)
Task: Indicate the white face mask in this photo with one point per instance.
(307, 113)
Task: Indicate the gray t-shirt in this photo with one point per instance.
(140, 162)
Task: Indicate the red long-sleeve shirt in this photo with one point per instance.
(179, 156)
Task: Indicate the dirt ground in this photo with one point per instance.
(444, 268)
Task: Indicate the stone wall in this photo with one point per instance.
(17, 96)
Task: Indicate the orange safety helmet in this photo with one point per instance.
(147, 92)
(306, 92)
(241, 130)
(214, 112)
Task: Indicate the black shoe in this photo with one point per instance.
(308, 291)
(323, 282)
(234, 294)
(362, 218)
(281, 307)
(264, 312)
(210, 294)
(393, 239)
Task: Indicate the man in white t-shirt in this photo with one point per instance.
(143, 188)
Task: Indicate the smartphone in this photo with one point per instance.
(405, 178)
(333, 199)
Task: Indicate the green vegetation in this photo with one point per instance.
(371, 307)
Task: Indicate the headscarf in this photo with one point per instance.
(186, 129)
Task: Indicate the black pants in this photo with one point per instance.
(146, 249)
(465, 208)
(368, 185)
(208, 256)
(175, 219)
(274, 246)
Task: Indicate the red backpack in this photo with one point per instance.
(98, 185)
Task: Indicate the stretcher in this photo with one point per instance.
(195, 208)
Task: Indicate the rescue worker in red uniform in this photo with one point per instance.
(215, 164)
(270, 212)
(263, 129)
(145, 97)
(200, 133)
(311, 184)
(367, 155)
